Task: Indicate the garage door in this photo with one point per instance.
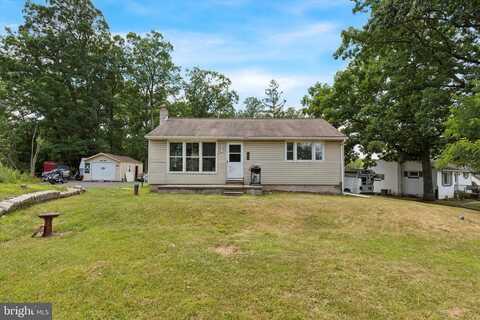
(103, 171)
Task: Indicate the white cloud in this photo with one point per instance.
(306, 32)
(264, 46)
(204, 49)
(252, 82)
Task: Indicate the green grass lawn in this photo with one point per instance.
(8, 190)
(281, 256)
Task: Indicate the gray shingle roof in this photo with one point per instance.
(245, 128)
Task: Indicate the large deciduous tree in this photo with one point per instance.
(208, 94)
(405, 66)
(151, 79)
(54, 69)
(252, 108)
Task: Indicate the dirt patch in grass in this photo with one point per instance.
(226, 250)
(456, 312)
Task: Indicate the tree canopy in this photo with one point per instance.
(406, 67)
(69, 88)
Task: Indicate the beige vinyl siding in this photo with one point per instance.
(158, 167)
(270, 156)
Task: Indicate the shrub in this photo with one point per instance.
(9, 175)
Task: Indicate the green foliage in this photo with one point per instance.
(274, 101)
(209, 94)
(9, 175)
(87, 91)
(355, 164)
(253, 108)
(271, 106)
(463, 129)
(407, 64)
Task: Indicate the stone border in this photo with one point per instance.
(28, 199)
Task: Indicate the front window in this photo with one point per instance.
(446, 178)
(192, 157)
(304, 151)
(87, 167)
(176, 157)
(208, 156)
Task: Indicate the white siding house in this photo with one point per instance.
(407, 179)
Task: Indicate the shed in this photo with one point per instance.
(111, 167)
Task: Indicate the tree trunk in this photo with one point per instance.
(34, 151)
(428, 192)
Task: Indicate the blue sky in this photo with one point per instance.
(251, 41)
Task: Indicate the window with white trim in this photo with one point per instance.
(176, 157)
(304, 151)
(290, 153)
(192, 156)
(209, 152)
(447, 178)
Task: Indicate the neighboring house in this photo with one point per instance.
(111, 167)
(476, 179)
(293, 154)
(407, 179)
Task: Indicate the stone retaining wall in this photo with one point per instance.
(28, 199)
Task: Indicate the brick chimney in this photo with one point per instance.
(163, 115)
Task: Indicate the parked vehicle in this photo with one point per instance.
(55, 176)
(65, 171)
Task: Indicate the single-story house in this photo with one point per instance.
(111, 167)
(407, 179)
(292, 154)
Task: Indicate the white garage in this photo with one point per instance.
(110, 167)
(103, 170)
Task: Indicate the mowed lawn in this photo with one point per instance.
(279, 256)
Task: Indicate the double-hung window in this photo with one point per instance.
(209, 152)
(447, 178)
(176, 157)
(192, 156)
(304, 151)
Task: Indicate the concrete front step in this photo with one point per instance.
(235, 181)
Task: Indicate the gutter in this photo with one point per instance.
(244, 138)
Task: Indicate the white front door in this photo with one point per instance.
(103, 171)
(234, 161)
